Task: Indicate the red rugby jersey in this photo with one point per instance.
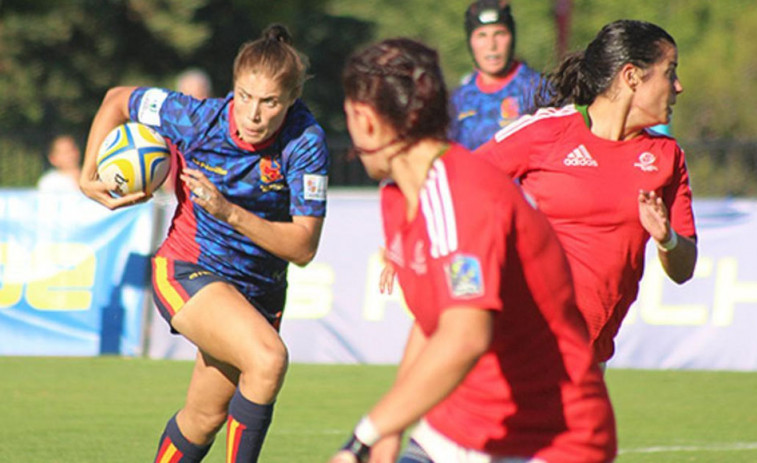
(475, 242)
(588, 187)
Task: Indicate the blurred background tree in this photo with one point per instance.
(57, 59)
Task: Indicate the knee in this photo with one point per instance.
(271, 360)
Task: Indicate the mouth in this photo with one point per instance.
(251, 133)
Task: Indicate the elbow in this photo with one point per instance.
(303, 258)
(683, 277)
(473, 347)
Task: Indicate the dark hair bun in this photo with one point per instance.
(277, 32)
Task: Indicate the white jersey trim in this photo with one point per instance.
(439, 211)
(525, 121)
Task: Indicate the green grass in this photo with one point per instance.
(111, 409)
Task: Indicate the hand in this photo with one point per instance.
(343, 456)
(101, 192)
(654, 216)
(206, 195)
(386, 450)
(386, 280)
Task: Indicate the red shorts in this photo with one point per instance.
(174, 282)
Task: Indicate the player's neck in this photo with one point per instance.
(610, 119)
(410, 170)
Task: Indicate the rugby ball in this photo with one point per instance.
(132, 158)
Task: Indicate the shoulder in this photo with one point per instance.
(470, 177)
(467, 84)
(545, 121)
(151, 104)
(300, 121)
(528, 71)
(665, 143)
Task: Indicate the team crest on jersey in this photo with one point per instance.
(509, 109)
(270, 170)
(315, 186)
(646, 162)
(464, 276)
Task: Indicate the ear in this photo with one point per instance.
(363, 116)
(630, 76)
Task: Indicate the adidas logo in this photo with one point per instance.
(580, 157)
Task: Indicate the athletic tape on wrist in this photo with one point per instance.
(671, 243)
(366, 432)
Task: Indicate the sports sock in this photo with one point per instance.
(175, 448)
(247, 425)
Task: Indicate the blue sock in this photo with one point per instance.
(175, 448)
(247, 426)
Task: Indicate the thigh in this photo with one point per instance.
(221, 322)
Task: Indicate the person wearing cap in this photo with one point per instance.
(501, 88)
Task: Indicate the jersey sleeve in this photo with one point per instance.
(307, 174)
(470, 275)
(677, 197)
(172, 114)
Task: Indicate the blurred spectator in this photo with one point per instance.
(64, 156)
(195, 83)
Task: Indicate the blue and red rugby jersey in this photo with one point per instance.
(280, 178)
(478, 111)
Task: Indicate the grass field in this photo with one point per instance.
(110, 409)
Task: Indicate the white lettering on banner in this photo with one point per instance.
(56, 276)
(654, 312)
(729, 291)
(374, 303)
(311, 293)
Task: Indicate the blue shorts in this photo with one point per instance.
(174, 282)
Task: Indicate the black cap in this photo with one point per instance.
(484, 12)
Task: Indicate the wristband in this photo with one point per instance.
(357, 448)
(671, 243)
(366, 432)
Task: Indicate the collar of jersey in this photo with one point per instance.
(243, 144)
(500, 82)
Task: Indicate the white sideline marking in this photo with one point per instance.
(736, 446)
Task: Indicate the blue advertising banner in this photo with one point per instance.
(73, 281)
(335, 312)
(72, 275)
(709, 322)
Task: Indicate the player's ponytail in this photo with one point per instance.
(582, 76)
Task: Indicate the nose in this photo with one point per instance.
(678, 86)
(254, 113)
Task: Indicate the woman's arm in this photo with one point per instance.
(463, 335)
(295, 241)
(113, 111)
(386, 450)
(440, 365)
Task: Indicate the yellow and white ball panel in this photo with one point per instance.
(133, 157)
